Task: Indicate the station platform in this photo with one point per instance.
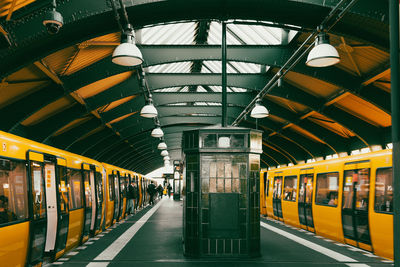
(153, 237)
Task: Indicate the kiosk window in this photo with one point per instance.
(384, 190)
(13, 191)
(327, 189)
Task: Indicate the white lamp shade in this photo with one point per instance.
(127, 54)
(148, 111)
(323, 55)
(164, 153)
(259, 111)
(162, 146)
(157, 132)
(167, 158)
(166, 162)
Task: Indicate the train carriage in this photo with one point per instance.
(347, 199)
(52, 200)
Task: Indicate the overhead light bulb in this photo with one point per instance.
(323, 54)
(127, 53)
(162, 146)
(149, 111)
(166, 158)
(164, 153)
(259, 111)
(157, 132)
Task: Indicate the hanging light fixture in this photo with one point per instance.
(323, 53)
(157, 132)
(149, 110)
(167, 158)
(259, 111)
(166, 162)
(162, 146)
(164, 153)
(127, 53)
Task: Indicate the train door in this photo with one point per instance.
(277, 197)
(62, 207)
(122, 193)
(355, 204)
(88, 180)
(305, 199)
(98, 196)
(116, 194)
(38, 213)
(263, 193)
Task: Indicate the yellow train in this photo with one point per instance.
(52, 200)
(347, 199)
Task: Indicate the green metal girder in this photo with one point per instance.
(90, 18)
(163, 98)
(380, 97)
(21, 109)
(67, 138)
(277, 155)
(43, 130)
(244, 80)
(166, 111)
(93, 153)
(131, 106)
(126, 88)
(81, 146)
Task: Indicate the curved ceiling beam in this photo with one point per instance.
(85, 143)
(83, 20)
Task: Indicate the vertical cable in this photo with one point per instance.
(223, 61)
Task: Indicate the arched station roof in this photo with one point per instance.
(63, 89)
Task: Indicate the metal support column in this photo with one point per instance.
(224, 95)
(395, 94)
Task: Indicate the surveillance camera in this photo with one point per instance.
(53, 21)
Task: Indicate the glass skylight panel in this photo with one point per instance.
(216, 67)
(177, 33)
(244, 67)
(238, 89)
(168, 89)
(178, 67)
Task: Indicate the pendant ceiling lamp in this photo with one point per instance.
(167, 158)
(259, 111)
(164, 153)
(127, 53)
(157, 132)
(323, 53)
(149, 111)
(162, 146)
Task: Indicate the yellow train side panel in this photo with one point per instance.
(381, 224)
(327, 219)
(270, 190)
(14, 244)
(110, 213)
(123, 208)
(74, 228)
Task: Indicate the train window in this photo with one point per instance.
(356, 181)
(13, 188)
(111, 187)
(290, 188)
(384, 190)
(327, 189)
(63, 189)
(277, 187)
(267, 186)
(88, 191)
(38, 191)
(75, 177)
(99, 184)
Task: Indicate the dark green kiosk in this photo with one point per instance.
(221, 203)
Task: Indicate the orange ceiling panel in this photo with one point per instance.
(28, 73)
(49, 110)
(330, 125)
(364, 110)
(7, 7)
(72, 125)
(292, 106)
(122, 117)
(10, 92)
(115, 104)
(305, 133)
(311, 85)
(102, 85)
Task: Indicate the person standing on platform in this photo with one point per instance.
(130, 207)
(169, 188)
(151, 189)
(160, 190)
